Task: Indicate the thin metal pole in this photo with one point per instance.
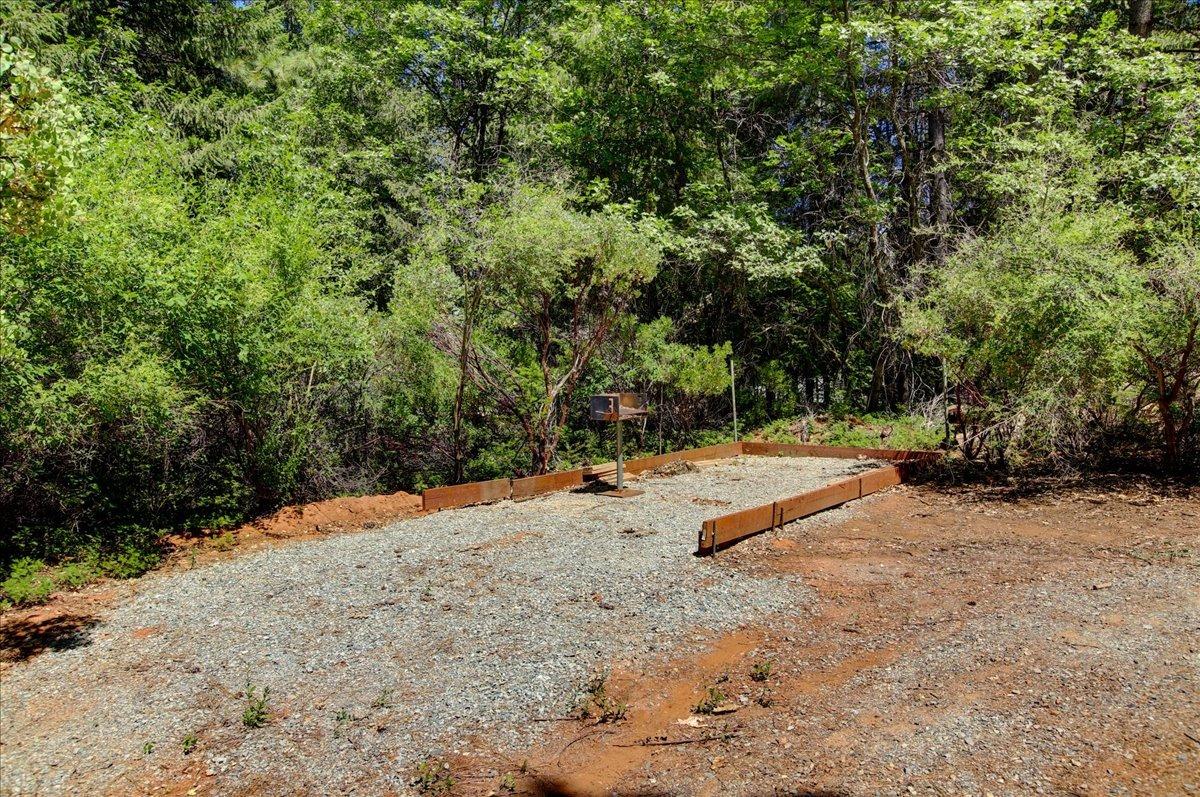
(659, 413)
(620, 461)
(733, 398)
(945, 407)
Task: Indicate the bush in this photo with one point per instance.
(876, 430)
(182, 358)
(28, 582)
(1053, 328)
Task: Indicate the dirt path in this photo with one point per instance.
(959, 645)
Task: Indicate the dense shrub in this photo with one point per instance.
(181, 356)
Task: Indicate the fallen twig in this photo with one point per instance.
(669, 742)
(579, 738)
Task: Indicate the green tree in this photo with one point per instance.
(1049, 322)
(555, 283)
(40, 136)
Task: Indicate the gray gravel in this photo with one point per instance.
(431, 636)
(1123, 662)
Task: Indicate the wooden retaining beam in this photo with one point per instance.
(822, 498)
(634, 466)
(436, 498)
(725, 530)
(836, 452)
(549, 483)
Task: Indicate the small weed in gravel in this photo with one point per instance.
(256, 713)
(508, 783)
(148, 748)
(765, 698)
(190, 740)
(713, 697)
(762, 670)
(341, 721)
(433, 777)
(384, 700)
(594, 701)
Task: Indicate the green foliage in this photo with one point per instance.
(762, 670)
(883, 431)
(257, 711)
(27, 582)
(128, 562)
(1043, 317)
(180, 357)
(594, 701)
(31, 581)
(656, 359)
(433, 776)
(714, 696)
(257, 253)
(40, 137)
(547, 284)
(872, 430)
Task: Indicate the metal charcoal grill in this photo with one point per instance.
(615, 408)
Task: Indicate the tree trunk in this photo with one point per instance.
(942, 208)
(1170, 432)
(470, 309)
(1141, 17)
(546, 443)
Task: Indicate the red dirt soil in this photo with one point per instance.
(334, 515)
(961, 643)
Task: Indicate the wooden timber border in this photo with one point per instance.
(722, 531)
(436, 498)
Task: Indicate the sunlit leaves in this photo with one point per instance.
(40, 139)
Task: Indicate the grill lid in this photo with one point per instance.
(617, 406)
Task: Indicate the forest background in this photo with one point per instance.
(255, 252)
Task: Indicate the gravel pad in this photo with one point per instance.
(428, 637)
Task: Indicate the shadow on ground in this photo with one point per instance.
(549, 787)
(22, 639)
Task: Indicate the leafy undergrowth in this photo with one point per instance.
(864, 431)
(31, 581)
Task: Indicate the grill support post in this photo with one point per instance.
(620, 459)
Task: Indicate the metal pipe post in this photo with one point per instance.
(733, 397)
(620, 461)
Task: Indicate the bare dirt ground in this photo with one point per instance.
(958, 641)
(963, 643)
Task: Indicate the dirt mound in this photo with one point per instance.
(676, 468)
(336, 514)
(294, 523)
